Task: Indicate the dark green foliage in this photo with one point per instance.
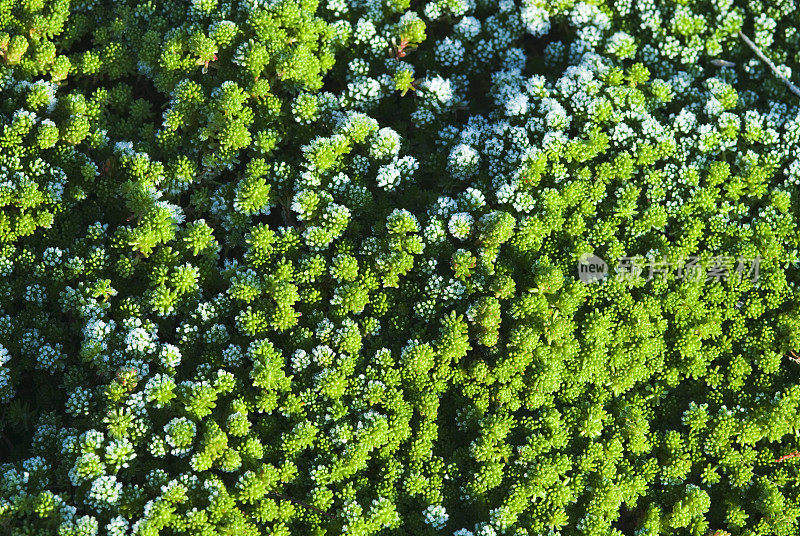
(294, 267)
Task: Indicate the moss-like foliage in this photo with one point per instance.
(288, 267)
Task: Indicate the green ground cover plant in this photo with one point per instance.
(300, 267)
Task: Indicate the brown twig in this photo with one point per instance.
(771, 65)
(794, 454)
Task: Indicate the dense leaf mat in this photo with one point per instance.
(275, 267)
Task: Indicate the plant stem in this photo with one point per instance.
(771, 65)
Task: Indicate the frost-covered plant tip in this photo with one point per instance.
(300, 267)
